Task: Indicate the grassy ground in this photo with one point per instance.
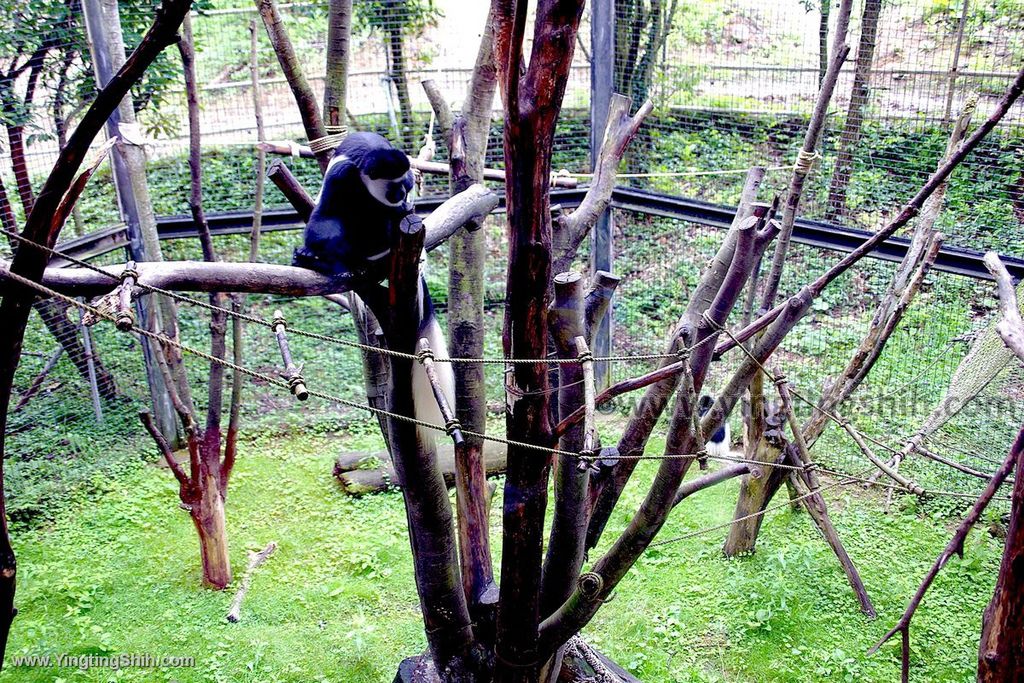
(336, 602)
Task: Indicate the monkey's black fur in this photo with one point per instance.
(720, 437)
(362, 203)
(363, 199)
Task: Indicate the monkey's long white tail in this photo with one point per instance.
(424, 402)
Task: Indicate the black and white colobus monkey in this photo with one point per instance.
(720, 442)
(363, 199)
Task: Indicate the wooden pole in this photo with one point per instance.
(431, 530)
(103, 23)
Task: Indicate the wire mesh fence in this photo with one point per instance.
(733, 82)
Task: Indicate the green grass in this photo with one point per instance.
(336, 602)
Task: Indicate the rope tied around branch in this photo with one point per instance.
(297, 385)
(587, 460)
(706, 318)
(125, 319)
(804, 161)
(130, 271)
(452, 426)
(335, 134)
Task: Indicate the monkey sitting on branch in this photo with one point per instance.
(361, 204)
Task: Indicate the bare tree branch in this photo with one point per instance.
(1010, 327)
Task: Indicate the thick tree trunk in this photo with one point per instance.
(339, 30)
(1001, 652)
(466, 135)
(22, 181)
(825, 9)
(429, 514)
(208, 516)
(757, 490)
(565, 549)
(533, 101)
(395, 40)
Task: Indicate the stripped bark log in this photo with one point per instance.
(292, 189)
(421, 165)
(565, 547)
(431, 531)
(757, 489)
(807, 154)
(805, 482)
(466, 135)
(362, 473)
(339, 32)
(1010, 326)
(533, 100)
(688, 488)
(596, 302)
(571, 228)
(608, 484)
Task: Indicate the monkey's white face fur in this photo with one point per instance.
(388, 191)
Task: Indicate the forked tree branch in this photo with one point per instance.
(572, 228)
(292, 68)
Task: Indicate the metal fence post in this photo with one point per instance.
(602, 69)
(100, 19)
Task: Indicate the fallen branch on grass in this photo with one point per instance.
(256, 560)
